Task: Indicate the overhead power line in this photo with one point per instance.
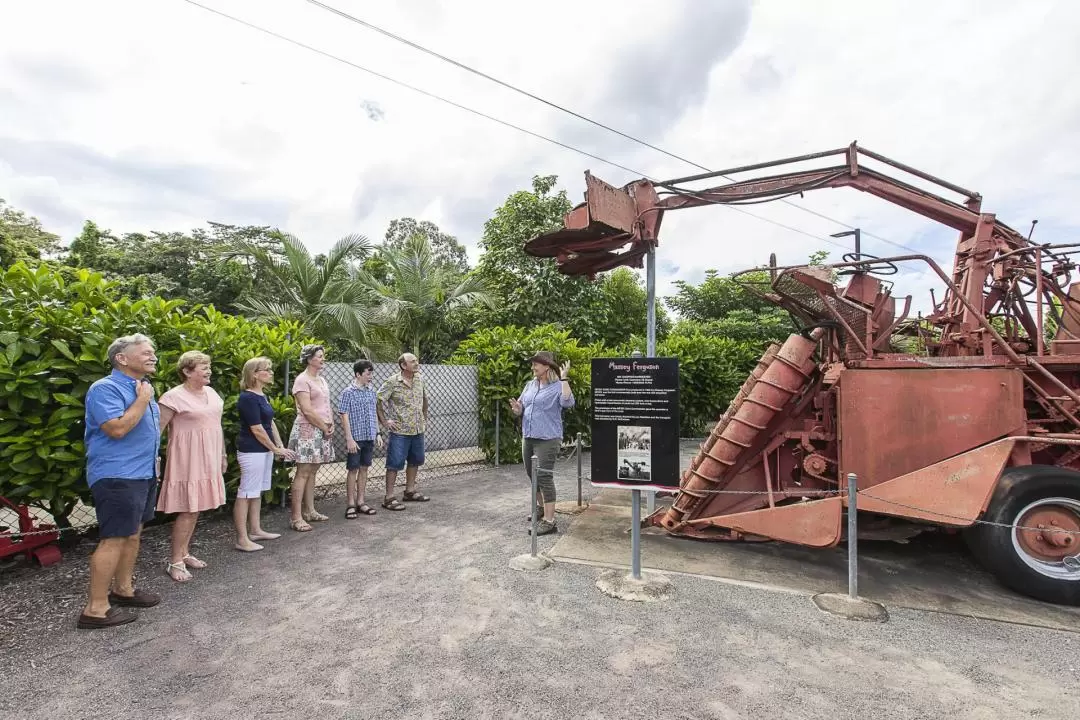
(494, 119)
(510, 86)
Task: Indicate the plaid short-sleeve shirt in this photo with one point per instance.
(359, 404)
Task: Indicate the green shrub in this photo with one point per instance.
(711, 370)
(53, 345)
(500, 355)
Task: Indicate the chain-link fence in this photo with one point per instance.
(451, 437)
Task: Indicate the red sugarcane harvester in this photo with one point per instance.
(966, 418)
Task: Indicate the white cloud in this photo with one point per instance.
(161, 115)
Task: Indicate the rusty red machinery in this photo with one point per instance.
(33, 540)
(965, 418)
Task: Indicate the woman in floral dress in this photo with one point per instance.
(312, 436)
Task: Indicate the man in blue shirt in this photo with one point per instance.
(122, 440)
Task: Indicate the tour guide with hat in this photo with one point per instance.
(540, 407)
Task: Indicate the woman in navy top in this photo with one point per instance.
(256, 446)
(540, 407)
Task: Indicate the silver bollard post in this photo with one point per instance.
(577, 442)
(851, 606)
(498, 414)
(533, 503)
(531, 561)
(635, 535)
(853, 537)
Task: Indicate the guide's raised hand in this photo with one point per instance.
(564, 371)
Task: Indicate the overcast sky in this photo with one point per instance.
(160, 115)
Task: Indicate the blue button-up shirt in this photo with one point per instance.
(359, 404)
(541, 412)
(132, 457)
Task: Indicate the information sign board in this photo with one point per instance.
(635, 423)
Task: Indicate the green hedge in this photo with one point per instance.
(711, 370)
(501, 357)
(56, 329)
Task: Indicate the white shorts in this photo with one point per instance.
(256, 471)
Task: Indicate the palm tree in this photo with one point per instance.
(330, 295)
(419, 295)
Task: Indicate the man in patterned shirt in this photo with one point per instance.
(403, 410)
(356, 406)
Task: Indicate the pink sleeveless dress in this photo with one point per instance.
(192, 480)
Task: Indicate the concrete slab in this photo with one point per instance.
(852, 608)
(529, 562)
(930, 573)
(650, 587)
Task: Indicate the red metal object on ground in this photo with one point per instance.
(965, 418)
(40, 546)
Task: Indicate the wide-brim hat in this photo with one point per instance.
(545, 358)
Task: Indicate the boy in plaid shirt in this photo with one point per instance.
(356, 407)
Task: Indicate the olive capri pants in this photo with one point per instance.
(546, 452)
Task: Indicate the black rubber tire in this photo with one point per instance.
(992, 545)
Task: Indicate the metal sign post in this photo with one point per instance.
(644, 417)
(650, 352)
(650, 330)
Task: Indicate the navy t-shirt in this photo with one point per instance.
(254, 409)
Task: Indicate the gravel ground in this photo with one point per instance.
(417, 614)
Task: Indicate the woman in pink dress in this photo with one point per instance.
(195, 459)
(312, 436)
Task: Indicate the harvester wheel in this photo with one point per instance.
(1033, 545)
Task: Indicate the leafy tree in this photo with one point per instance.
(23, 238)
(717, 296)
(417, 294)
(447, 253)
(621, 312)
(176, 265)
(531, 291)
(332, 297)
(743, 326)
(377, 267)
(723, 307)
